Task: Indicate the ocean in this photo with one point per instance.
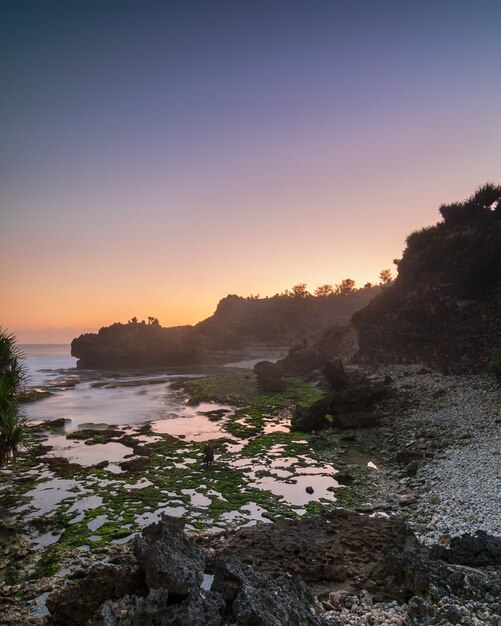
(44, 360)
(90, 398)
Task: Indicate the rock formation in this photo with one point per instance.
(269, 575)
(237, 323)
(444, 308)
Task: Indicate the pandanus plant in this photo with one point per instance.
(13, 375)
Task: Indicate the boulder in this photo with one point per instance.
(301, 361)
(360, 395)
(260, 601)
(335, 375)
(269, 376)
(313, 417)
(79, 600)
(472, 550)
(198, 609)
(168, 557)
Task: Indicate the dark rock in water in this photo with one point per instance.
(168, 557)
(269, 376)
(79, 600)
(216, 415)
(309, 490)
(472, 550)
(312, 417)
(57, 423)
(335, 375)
(344, 477)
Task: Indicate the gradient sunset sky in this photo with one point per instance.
(157, 156)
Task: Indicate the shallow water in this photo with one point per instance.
(75, 452)
(129, 400)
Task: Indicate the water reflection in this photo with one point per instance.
(77, 452)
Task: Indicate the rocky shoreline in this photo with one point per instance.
(444, 430)
(439, 441)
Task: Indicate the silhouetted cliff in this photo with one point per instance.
(444, 308)
(237, 323)
(281, 320)
(136, 345)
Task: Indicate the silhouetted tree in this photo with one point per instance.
(133, 320)
(323, 291)
(153, 321)
(347, 285)
(299, 290)
(368, 286)
(480, 205)
(385, 277)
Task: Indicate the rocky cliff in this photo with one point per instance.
(444, 308)
(237, 323)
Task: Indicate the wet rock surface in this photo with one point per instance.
(336, 551)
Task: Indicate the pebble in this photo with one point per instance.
(454, 422)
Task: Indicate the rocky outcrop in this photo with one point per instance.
(472, 550)
(168, 558)
(79, 600)
(444, 308)
(269, 377)
(166, 588)
(300, 361)
(336, 551)
(136, 345)
(351, 404)
(238, 323)
(335, 375)
(267, 575)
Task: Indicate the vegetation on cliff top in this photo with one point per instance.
(444, 308)
(465, 246)
(237, 323)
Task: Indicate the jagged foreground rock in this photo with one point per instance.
(338, 555)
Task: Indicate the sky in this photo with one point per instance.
(157, 156)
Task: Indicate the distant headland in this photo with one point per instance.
(238, 323)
